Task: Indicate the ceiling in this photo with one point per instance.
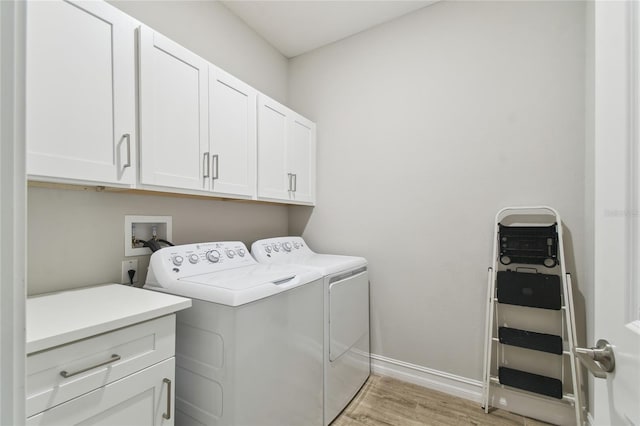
(295, 27)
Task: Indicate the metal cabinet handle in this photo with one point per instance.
(167, 415)
(114, 358)
(216, 167)
(599, 360)
(290, 176)
(127, 136)
(295, 182)
(205, 165)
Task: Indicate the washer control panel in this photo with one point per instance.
(279, 248)
(202, 258)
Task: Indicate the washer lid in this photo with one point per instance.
(235, 287)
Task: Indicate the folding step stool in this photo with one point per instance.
(527, 281)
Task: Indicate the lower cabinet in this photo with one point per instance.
(119, 378)
(142, 398)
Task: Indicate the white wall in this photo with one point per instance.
(210, 30)
(427, 126)
(76, 238)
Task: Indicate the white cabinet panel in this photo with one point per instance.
(232, 138)
(273, 178)
(302, 158)
(286, 154)
(80, 92)
(173, 113)
(141, 399)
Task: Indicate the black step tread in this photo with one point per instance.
(530, 382)
(528, 289)
(530, 340)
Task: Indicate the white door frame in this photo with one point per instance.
(616, 224)
(12, 212)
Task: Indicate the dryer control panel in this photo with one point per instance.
(280, 248)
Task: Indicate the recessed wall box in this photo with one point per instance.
(141, 228)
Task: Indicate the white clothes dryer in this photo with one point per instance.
(346, 315)
(249, 350)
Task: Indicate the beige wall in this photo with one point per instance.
(427, 126)
(76, 238)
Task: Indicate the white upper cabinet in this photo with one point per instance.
(197, 123)
(274, 181)
(232, 134)
(301, 156)
(174, 123)
(286, 154)
(80, 113)
(173, 114)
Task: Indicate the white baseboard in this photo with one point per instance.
(554, 412)
(590, 421)
(433, 379)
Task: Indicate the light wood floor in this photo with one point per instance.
(386, 401)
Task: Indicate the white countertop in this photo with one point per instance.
(58, 318)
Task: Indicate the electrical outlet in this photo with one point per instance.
(126, 266)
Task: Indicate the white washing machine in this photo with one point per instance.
(346, 315)
(250, 349)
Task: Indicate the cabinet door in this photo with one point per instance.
(232, 137)
(301, 153)
(173, 114)
(274, 180)
(80, 92)
(141, 399)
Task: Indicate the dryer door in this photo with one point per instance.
(348, 312)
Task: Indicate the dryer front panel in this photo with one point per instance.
(348, 313)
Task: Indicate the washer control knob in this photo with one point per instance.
(241, 252)
(231, 254)
(193, 258)
(286, 246)
(296, 245)
(267, 249)
(276, 247)
(177, 260)
(213, 256)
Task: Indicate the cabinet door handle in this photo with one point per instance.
(114, 358)
(290, 176)
(205, 165)
(167, 415)
(127, 136)
(295, 182)
(216, 168)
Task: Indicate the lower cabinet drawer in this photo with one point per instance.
(62, 373)
(141, 399)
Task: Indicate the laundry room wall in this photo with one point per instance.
(76, 237)
(209, 29)
(427, 126)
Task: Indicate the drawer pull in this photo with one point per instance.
(167, 415)
(113, 358)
